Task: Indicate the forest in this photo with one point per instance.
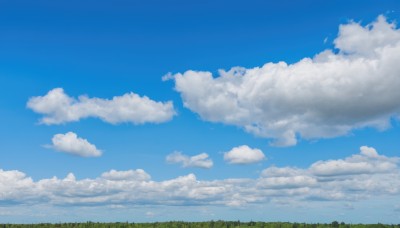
(212, 224)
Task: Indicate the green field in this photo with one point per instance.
(214, 224)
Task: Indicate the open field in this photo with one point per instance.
(214, 224)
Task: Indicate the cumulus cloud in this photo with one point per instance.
(115, 175)
(57, 108)
(243, 155)
(282, 172)
(72, 144)
(276, 184)
(367, 162)
(329, 95)
(200, 160)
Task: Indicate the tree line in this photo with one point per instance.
(208, 224)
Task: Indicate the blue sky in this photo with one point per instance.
(312, 114)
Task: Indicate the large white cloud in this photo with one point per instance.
(347, 182)
(329, 95)
(72, 144)
(200, 160)
(57, 107)
(243, 155)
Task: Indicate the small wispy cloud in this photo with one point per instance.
(200, 161)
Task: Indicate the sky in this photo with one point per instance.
(148, 111)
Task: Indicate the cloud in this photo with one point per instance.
(57, 108)
(329, 95)
(287, 182)
(150, 214)
(367, 162)
(199, 161)
(114, 175)
(72, 144)
(243, 155)
(281, 172)
(275, 184)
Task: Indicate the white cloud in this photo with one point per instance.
(115, 175)
(57, 107)
(367, 162)
(281, 172)
(369, 151)
(276, 184)
(286, 178)
(287, 182)
(13, 184)
(72, 144)
(243, 155)
(354, 39)
(150, 214)
(326, 96)
(200, 160)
